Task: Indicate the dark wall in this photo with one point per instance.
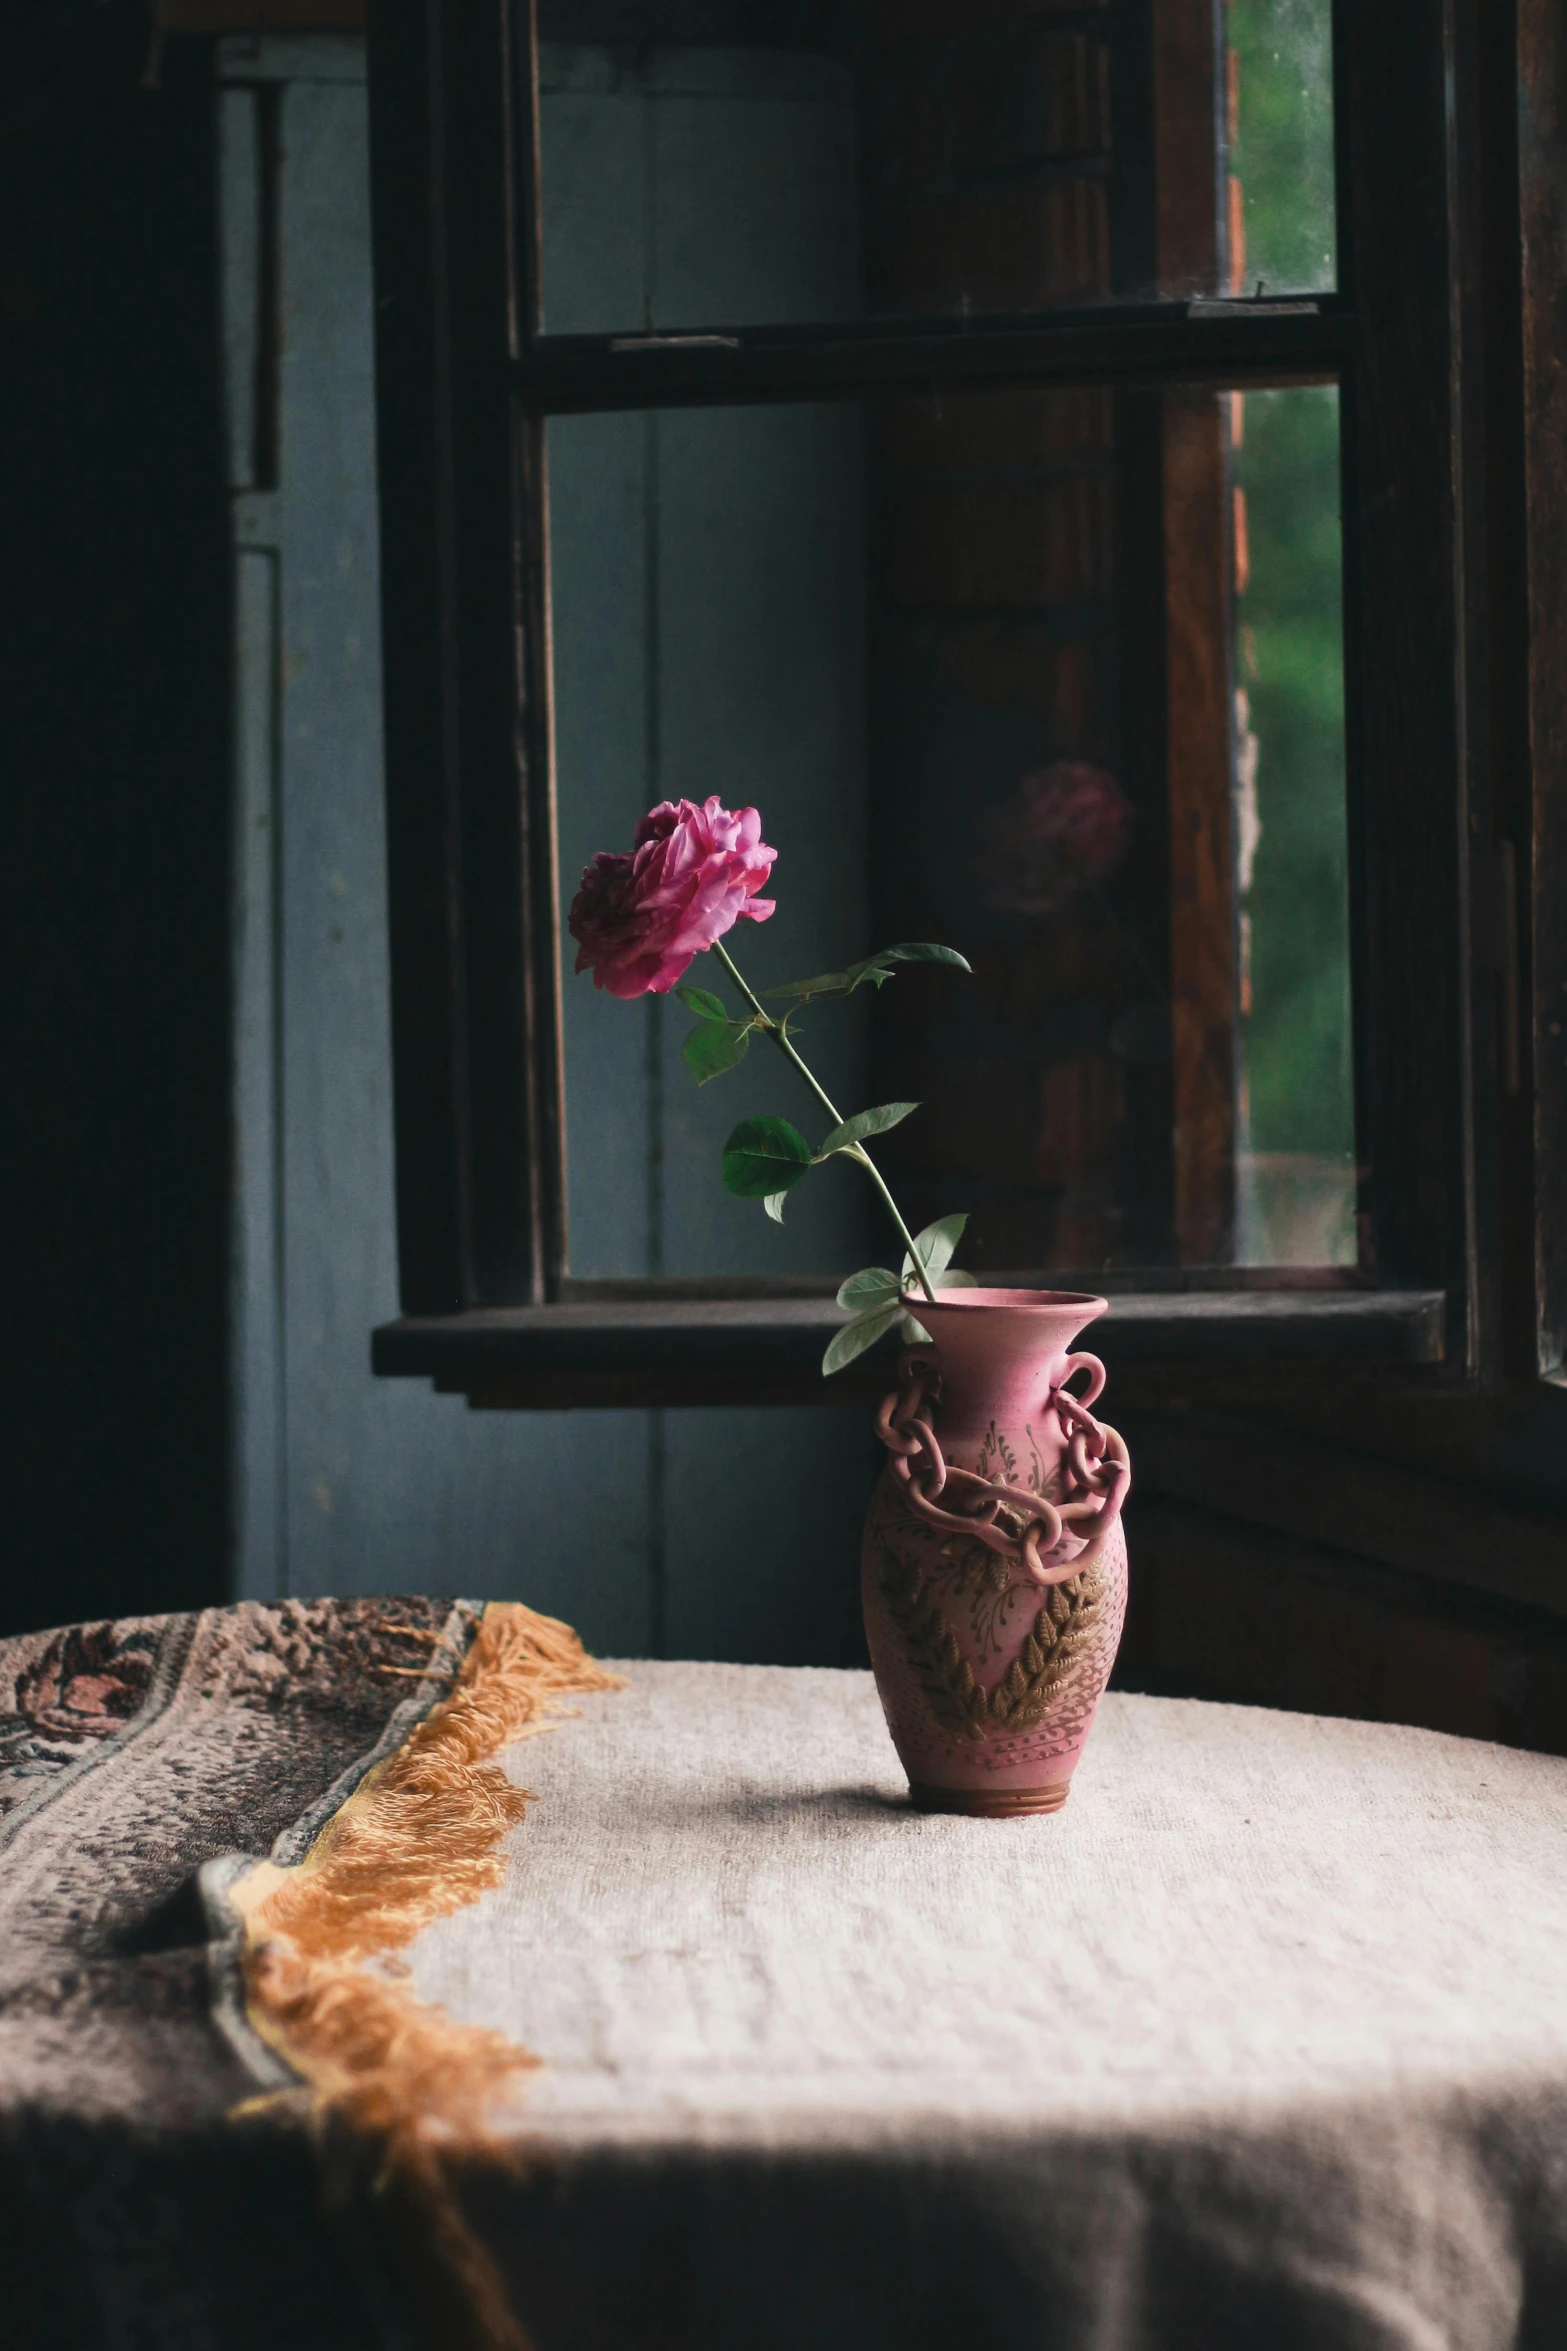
(113, 748)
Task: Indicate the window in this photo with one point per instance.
(924, 419)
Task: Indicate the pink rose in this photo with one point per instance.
(691, 874)
(1064, 827)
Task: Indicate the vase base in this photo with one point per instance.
(989, 1803)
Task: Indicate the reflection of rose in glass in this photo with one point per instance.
(1059, 830)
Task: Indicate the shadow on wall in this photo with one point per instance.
(114, 652)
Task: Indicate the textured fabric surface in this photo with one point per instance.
(1261, 2042)
(1263, 2038)
(133, 2211)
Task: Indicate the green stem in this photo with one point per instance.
(856, 1151)
(874, 1172)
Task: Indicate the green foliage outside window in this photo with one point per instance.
(1297, 1099)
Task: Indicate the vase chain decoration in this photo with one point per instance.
(1021, 1526)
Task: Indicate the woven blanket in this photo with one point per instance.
(314, 2029)
(132, 2210)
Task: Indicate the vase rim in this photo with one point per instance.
(1008, 1301)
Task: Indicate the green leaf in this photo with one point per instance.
(923, 951)
(915, 1334)
(764, 1155)
(877, 969)
(876, 1286)
(715, 1046)
(935, 1245)
(866, 1122)
(703, 1003)
(856, 1336)
(773, 1203)
(955, 1279)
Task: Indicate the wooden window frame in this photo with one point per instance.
(1426, 339)
(1534, 1268)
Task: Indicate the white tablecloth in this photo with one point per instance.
(1262, 2040)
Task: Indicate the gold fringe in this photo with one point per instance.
(419, 1838)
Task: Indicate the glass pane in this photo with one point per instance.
(720, 163)
(1296, 1122)
(710, 637)
(1052, 678)
(1279, 90)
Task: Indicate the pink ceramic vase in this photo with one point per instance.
(994, 1562)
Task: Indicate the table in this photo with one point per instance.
(1263, 2038)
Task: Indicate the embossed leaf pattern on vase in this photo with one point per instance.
(1060, 1645)
(1061, 1642)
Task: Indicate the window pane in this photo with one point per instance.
(1279, 87)
(1054, 678)
(1296, 1125)
(710, 637)
(723, 163)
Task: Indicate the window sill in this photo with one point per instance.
(604, 1347)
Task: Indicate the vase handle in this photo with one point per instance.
(1096, 1377)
